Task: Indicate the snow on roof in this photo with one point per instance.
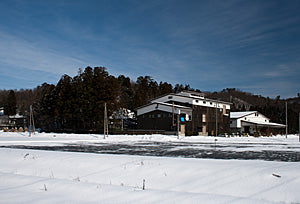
(16, 116)
(165, 104)
(265, 124)
(241, 114)
(169, 104)
(191, 96)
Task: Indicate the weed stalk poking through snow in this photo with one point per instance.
(144, 184)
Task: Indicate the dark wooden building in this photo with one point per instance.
(191, 112)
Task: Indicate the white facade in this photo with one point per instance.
(248, 121)
(237, 118)
(186, 97)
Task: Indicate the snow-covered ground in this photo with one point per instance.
(62, 138)
(276, 143)
(36, 176)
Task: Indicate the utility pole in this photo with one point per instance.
(217, 118)
(178, 115)
(31, 122)
(105, 122)
(122, 125)
(173, 114)
(286, 117)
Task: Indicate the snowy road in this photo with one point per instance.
(271, 149)
(177, 149)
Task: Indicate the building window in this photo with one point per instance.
(197, 101)
(203, 118)
(158, 115)
(204, 102)
(170, 97)
(210, 103)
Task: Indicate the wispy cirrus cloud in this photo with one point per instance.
(208, 44)
(281, 70)
(17, 52)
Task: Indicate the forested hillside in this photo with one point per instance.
(272, 108)
(77, 103)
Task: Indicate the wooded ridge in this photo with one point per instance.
(77, 103)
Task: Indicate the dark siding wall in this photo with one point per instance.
(197, 120)
(196, 124)
(159, 120)
(156, 120)
(223, 121)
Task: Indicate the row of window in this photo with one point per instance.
(159, 115)
(197, 101)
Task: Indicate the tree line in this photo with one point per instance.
(77, 103)
(273, 108)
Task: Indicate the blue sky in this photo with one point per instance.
(211, 45)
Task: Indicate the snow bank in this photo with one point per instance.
(32, 176)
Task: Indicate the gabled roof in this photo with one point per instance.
(165, 104)
(181, 94)
(175, 106)
(265, 124)
(236, 115)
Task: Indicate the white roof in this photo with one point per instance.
(16, 116)
(169, 104)
(241, 114)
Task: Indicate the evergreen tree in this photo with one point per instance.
(165, 88)
(10, 107)
(126, 92)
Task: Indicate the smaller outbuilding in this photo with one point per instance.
(13, 121)
(253, 123)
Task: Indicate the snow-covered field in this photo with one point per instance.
(36, 176)
(55, 139)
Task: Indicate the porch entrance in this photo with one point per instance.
(182, 130)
